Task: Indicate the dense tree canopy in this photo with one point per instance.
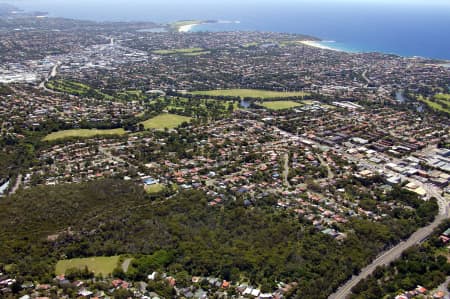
(182, 235)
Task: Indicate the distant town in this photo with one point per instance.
(342, 146)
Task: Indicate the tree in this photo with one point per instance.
(119, 273)
(16, 287)
(122, 294)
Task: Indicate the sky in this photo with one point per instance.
(159, 10)
(390, 2)
(211, 3)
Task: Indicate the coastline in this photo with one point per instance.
(317, 44)
(187, 28)
(321, 45)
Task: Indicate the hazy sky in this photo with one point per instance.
(169, 10)
(391, 2)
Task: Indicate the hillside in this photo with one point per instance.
(104, 218)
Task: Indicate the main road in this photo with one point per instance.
(286, 171)
(17, 184)
(395, 252)
(51, 74)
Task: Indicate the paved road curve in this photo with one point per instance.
(394, 253)
(286, 171)
(17, 184)
(50, 75)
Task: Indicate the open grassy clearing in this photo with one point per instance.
(132, 95)
(184, 51)
(82, 133)
(76, 88)
(197, 53)
(200, 107)
(431, 104)
(103, 265)
(280, 105)
(289, 43)
(68, 86)
(250, 93)
(443, 97)
(440, 102)
(166, 120)
(154, 189)
(80, 89)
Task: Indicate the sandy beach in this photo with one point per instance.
(187, 28)
(317, 44)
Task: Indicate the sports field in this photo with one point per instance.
(443, 97)
(154, 189)
(280, 105)
(251, 93)
(166, 120)
(103, 265)
(82, 133)
(440, 102)
(197, 53)
(77, 88)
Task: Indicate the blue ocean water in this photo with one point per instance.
(407, 28)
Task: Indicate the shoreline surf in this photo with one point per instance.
(187, 28)
(320, 45)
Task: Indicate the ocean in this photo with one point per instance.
(406, 28)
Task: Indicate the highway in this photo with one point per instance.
(17, 184)
(394, 253)
(388, 256)
(51, 74)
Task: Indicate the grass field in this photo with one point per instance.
(289, 43)
(197, 53)
(103, 265)
(165, 120)
(154, 189)
(76, 88)
(83, 90)
(83, 133)
(186, 51)
(251, 93)
(131, 95)
(280, 105)
(440, 102)
(248, 45)
(443, 97)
